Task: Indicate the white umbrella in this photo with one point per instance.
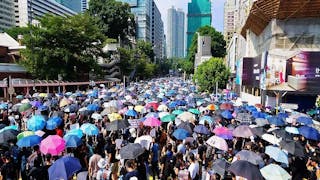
(271, 139)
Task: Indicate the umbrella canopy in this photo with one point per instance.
(139, 108)
(211, 107)
(186, 126)
(177, 112)
(205, 119)
(226, 114)
(274, 171)
(162, 107)
(153, 105)
(109, 110)
(244, 118)
(251, 157)
(261, 122)
(168, 118)
(89, 129)
(162, 114)
(194, 111)
(277, 121)
(277, 154)
(96, 116)
(93, 107)
(309, 133)
(72, 141)
(186, 116)
(117, 124)
(63, 102)
(114, 116)
(29, 141)
(64, 168)
(218, 143)
(152, 122)
(293, 147)
(201, 129)
(13, 127)
(223, 132)
(24, 134)
(220, 166)
(36, 122)
(245, 169)
(292, 130)
(181, 134)
(8, 135)
(53, 144)
(131, 151)
(271, 139)
(144, 141)
(305, 120)
(242, 131)
(53, 123)
(24, 107)
(226, 106)
(131, 113)
(77, 132)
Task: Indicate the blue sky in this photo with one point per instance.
(217, 10)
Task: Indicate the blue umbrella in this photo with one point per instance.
(64, 168)
(29, 141)
(277, 154)
(181, 134)
(276, 121)
(173, 105)
(131, 113)
(204, 119)
(89, 129)
(251, 108)
(36, 122)
(76, 132)
(92, 107)
(226, 114)
(181, 102)
(304, 120)
(283, 115)
(3, 106)
(13, 127)
(309, 132)
(201, 129)
(36, 104)
(43, 108)
(257, 114)
(53, 123)
(72, 140)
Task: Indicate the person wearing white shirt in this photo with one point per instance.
(193, 168)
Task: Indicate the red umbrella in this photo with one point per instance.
(153, 105)
(226, 106)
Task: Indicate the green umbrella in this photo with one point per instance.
(24, 134)
(194, 111)
(24, 107)
(177, 112)
(168, 118)
(312, 112)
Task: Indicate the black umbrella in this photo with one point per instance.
(8, 135)
(117, 124)
(186, 126)
(2, 126)
(244, 118)
(293, 147)
(282, 134)
(128, 103)
(258, 131)
(220, 166)
(131, 151)
(246, 169)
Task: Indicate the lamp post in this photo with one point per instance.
(59, 79)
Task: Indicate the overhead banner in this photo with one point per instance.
(251, 71)
(299, 73)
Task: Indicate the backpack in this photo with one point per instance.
(170, 162)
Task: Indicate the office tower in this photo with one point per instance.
(7, 16)
(175, 33)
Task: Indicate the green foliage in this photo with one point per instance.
(15, 31)
(186, 66)
(61, 45)
(218, 44)
(212, 71)
(113, 17)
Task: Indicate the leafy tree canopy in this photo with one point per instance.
(212, 71)
(113, 17)
(218, 44)
(15, 31)
(62, 45)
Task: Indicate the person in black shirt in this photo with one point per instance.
(8, 169)
(132, 172)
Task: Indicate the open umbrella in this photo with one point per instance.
(131, 113)
(131, 151)
(72, 140)
(153, 105)
(76, 132)
(64, 168)
(53, 123)
(226, 114)
(177, 112)
(218, 143)
(274, 171)
(117, 124)
(242, 131)
(144, 141)
(152, 122)
(29, 141)
(168, 118)
(162, 107)
(309, 133)
(292, 130)
(63, 102)
(293, 147)
(271, 139)
(245, 169)
(24, 107)
(277, 121)
(226, 106)
(304, 120)
(96, 116)
(24, 134)
(244, 118)
(8, 135)
(194, 111)
(251, 157)
(186, 126)
(186, 116)
(261, 122)
(211, 107)
(89, 129)
(53, 144)
(201, 129)
(223, 132)
(205, 119)
(181, 134)
(220, 166)
(277, 154)
(139, 108)
(114, 116)
(36, 122)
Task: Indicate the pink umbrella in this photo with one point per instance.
(123, 111)
(53, 145)
(223, 132)
(152, 121)
(218, 143)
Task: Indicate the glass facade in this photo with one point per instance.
(75, 5)
(199, 14)
(7, 17)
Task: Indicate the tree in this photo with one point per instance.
(218, 44)
(113, 17)
(212, 71)
(15, 31)
(62, 45)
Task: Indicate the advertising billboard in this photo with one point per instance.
(251, 69)
(298, 73)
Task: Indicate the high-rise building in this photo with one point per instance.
(28, 10)
(199, 14)
(75, 5)
(230, 19)
(7, 17)
(175, 33)
(156, 31)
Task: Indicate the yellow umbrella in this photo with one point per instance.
(114, 116)
(43, 95)
(139, 108)
(63, 102)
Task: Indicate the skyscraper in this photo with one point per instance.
(199, 14)
(230, 17)
(156, 31)
(175, 33)
(7, 18)
(75, 5)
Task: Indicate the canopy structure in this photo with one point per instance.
(263, 11)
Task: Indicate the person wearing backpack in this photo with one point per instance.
(167, 163)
